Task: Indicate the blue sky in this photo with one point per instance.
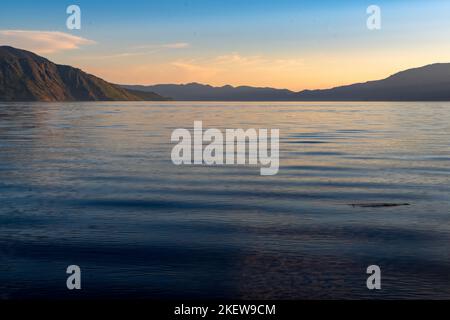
(280, 43)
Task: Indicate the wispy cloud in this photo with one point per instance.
(178, 45)
(175, 45)
(240, 69)
(235, 58)
(42, 42)
(142, 50)
(190, 68)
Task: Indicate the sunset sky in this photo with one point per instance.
(277, 43)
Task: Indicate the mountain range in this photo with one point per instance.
(25, 76)
(428, 83)
(202, 92)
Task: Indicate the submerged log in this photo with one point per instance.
(377, 205)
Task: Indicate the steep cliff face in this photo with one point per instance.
(25, 76)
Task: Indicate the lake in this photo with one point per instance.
(93, 185)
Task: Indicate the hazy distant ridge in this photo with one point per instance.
(201, 92)
(428, 83)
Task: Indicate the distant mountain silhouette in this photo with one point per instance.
(429, 83)
(25, 76)
(201, 92)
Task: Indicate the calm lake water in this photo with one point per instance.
(92, 184)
